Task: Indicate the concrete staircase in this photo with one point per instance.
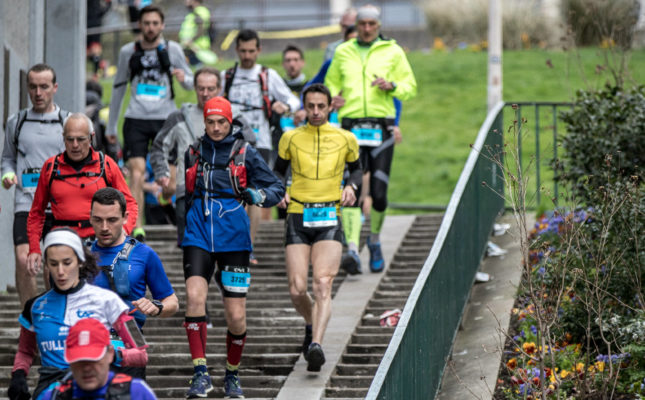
(275, 330)
(354, 374)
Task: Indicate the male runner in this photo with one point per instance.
(317, 153)
(149, 65)
(32, 136)
(365, 75)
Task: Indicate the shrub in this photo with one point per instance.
(594, 21)
(605, 140)
(524, 23)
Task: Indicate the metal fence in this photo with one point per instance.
(415, 359)
(538, 125)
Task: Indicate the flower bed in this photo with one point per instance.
(578, 326)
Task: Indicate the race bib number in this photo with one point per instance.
(333, 119)
(30, 178)
(370, 135)
(236, 279)
(286, 123)
(318, 215)
(147, 91)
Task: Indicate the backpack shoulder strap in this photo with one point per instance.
(103, 170)
(20, 120)
(229, 75)
(264, 86)
(54, 171)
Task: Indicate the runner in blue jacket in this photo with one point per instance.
(223, 173)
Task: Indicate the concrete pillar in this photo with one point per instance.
(494, 52)
(337, 8)
(36, 32)
(65, 31)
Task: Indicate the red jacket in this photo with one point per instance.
(71, 197)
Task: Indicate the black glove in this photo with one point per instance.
(18, 388)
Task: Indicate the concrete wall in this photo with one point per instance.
(33, 31)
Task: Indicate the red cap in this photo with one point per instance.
(218, 106)
(87, 340)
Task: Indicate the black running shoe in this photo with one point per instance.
(315, 357)
(351, 263)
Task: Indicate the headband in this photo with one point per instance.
(368, 12)
(66, 238)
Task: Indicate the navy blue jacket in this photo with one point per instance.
(219, 223)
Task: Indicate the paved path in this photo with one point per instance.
(472, 373)
(347, 309)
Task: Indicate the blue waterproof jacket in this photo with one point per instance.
(219, 223)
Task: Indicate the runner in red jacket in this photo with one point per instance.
(68, 181)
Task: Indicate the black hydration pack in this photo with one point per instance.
(137, 67)
(22, 118)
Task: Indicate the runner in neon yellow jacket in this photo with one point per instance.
(353, 75)
(365, 75)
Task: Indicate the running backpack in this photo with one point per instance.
(263, 79)
(117, 272)
(235, 166)
(56, 175)
(136, 67)
(118, 389)
(22, 118)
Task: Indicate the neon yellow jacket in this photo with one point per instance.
(354, 77)
(190, 28)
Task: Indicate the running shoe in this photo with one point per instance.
(200, 385)
(315, 357)
(252, 259)
(351, 263)
(376, 256)
(232, 388)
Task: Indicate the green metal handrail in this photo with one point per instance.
(539, 109)
(415, 359)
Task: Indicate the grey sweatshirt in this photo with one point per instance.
(150, 94)
(37, 142)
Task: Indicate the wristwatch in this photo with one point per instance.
(159, 305)
(393, 86)
(354, 186)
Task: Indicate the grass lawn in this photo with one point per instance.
(443, 120)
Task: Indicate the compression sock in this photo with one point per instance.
(351, 217)
(196, 332)
(234, 347)
(376, 223)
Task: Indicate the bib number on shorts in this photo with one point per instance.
(367, 134)
(236, 279)
(30, 178)
(319, 215)
(146, 91)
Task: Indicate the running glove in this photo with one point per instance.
(18, 388)
(252, 196)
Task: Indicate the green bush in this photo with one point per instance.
(605, 140)
(592, 21)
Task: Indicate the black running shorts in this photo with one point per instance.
(138, 134)
(20, 227)
(296, 233)
(233, 275)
